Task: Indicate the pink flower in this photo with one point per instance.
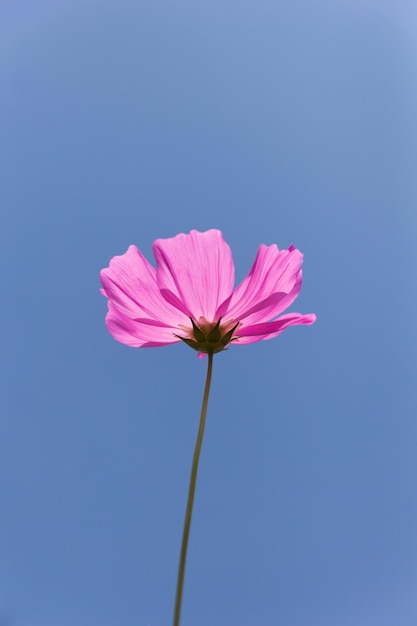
(190, 296)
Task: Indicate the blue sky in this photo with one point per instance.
(277, 123)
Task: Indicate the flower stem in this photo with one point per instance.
(191, 491)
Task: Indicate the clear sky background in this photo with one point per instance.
(276, 122)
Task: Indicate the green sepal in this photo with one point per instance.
(198, 334)
(228, 336)
(212, 342)
(191, 343)
(215, 335)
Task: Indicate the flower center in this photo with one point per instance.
(209, 337)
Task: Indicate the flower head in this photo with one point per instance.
(190, 296)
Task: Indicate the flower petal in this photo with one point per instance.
(195, 272)
(130, 283)
(272, 284)
(261, 312)
(268, 330)
(136, 334)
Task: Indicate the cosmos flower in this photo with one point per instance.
(190, 296)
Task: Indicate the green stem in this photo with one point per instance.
(191, 491)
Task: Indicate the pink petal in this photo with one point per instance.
(279, 303)
(130, 283)
(195, 272)
(268, 330)
(272, 284)
(136, 334)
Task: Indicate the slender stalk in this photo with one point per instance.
(191, 491)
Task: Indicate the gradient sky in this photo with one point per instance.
(276, 122)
